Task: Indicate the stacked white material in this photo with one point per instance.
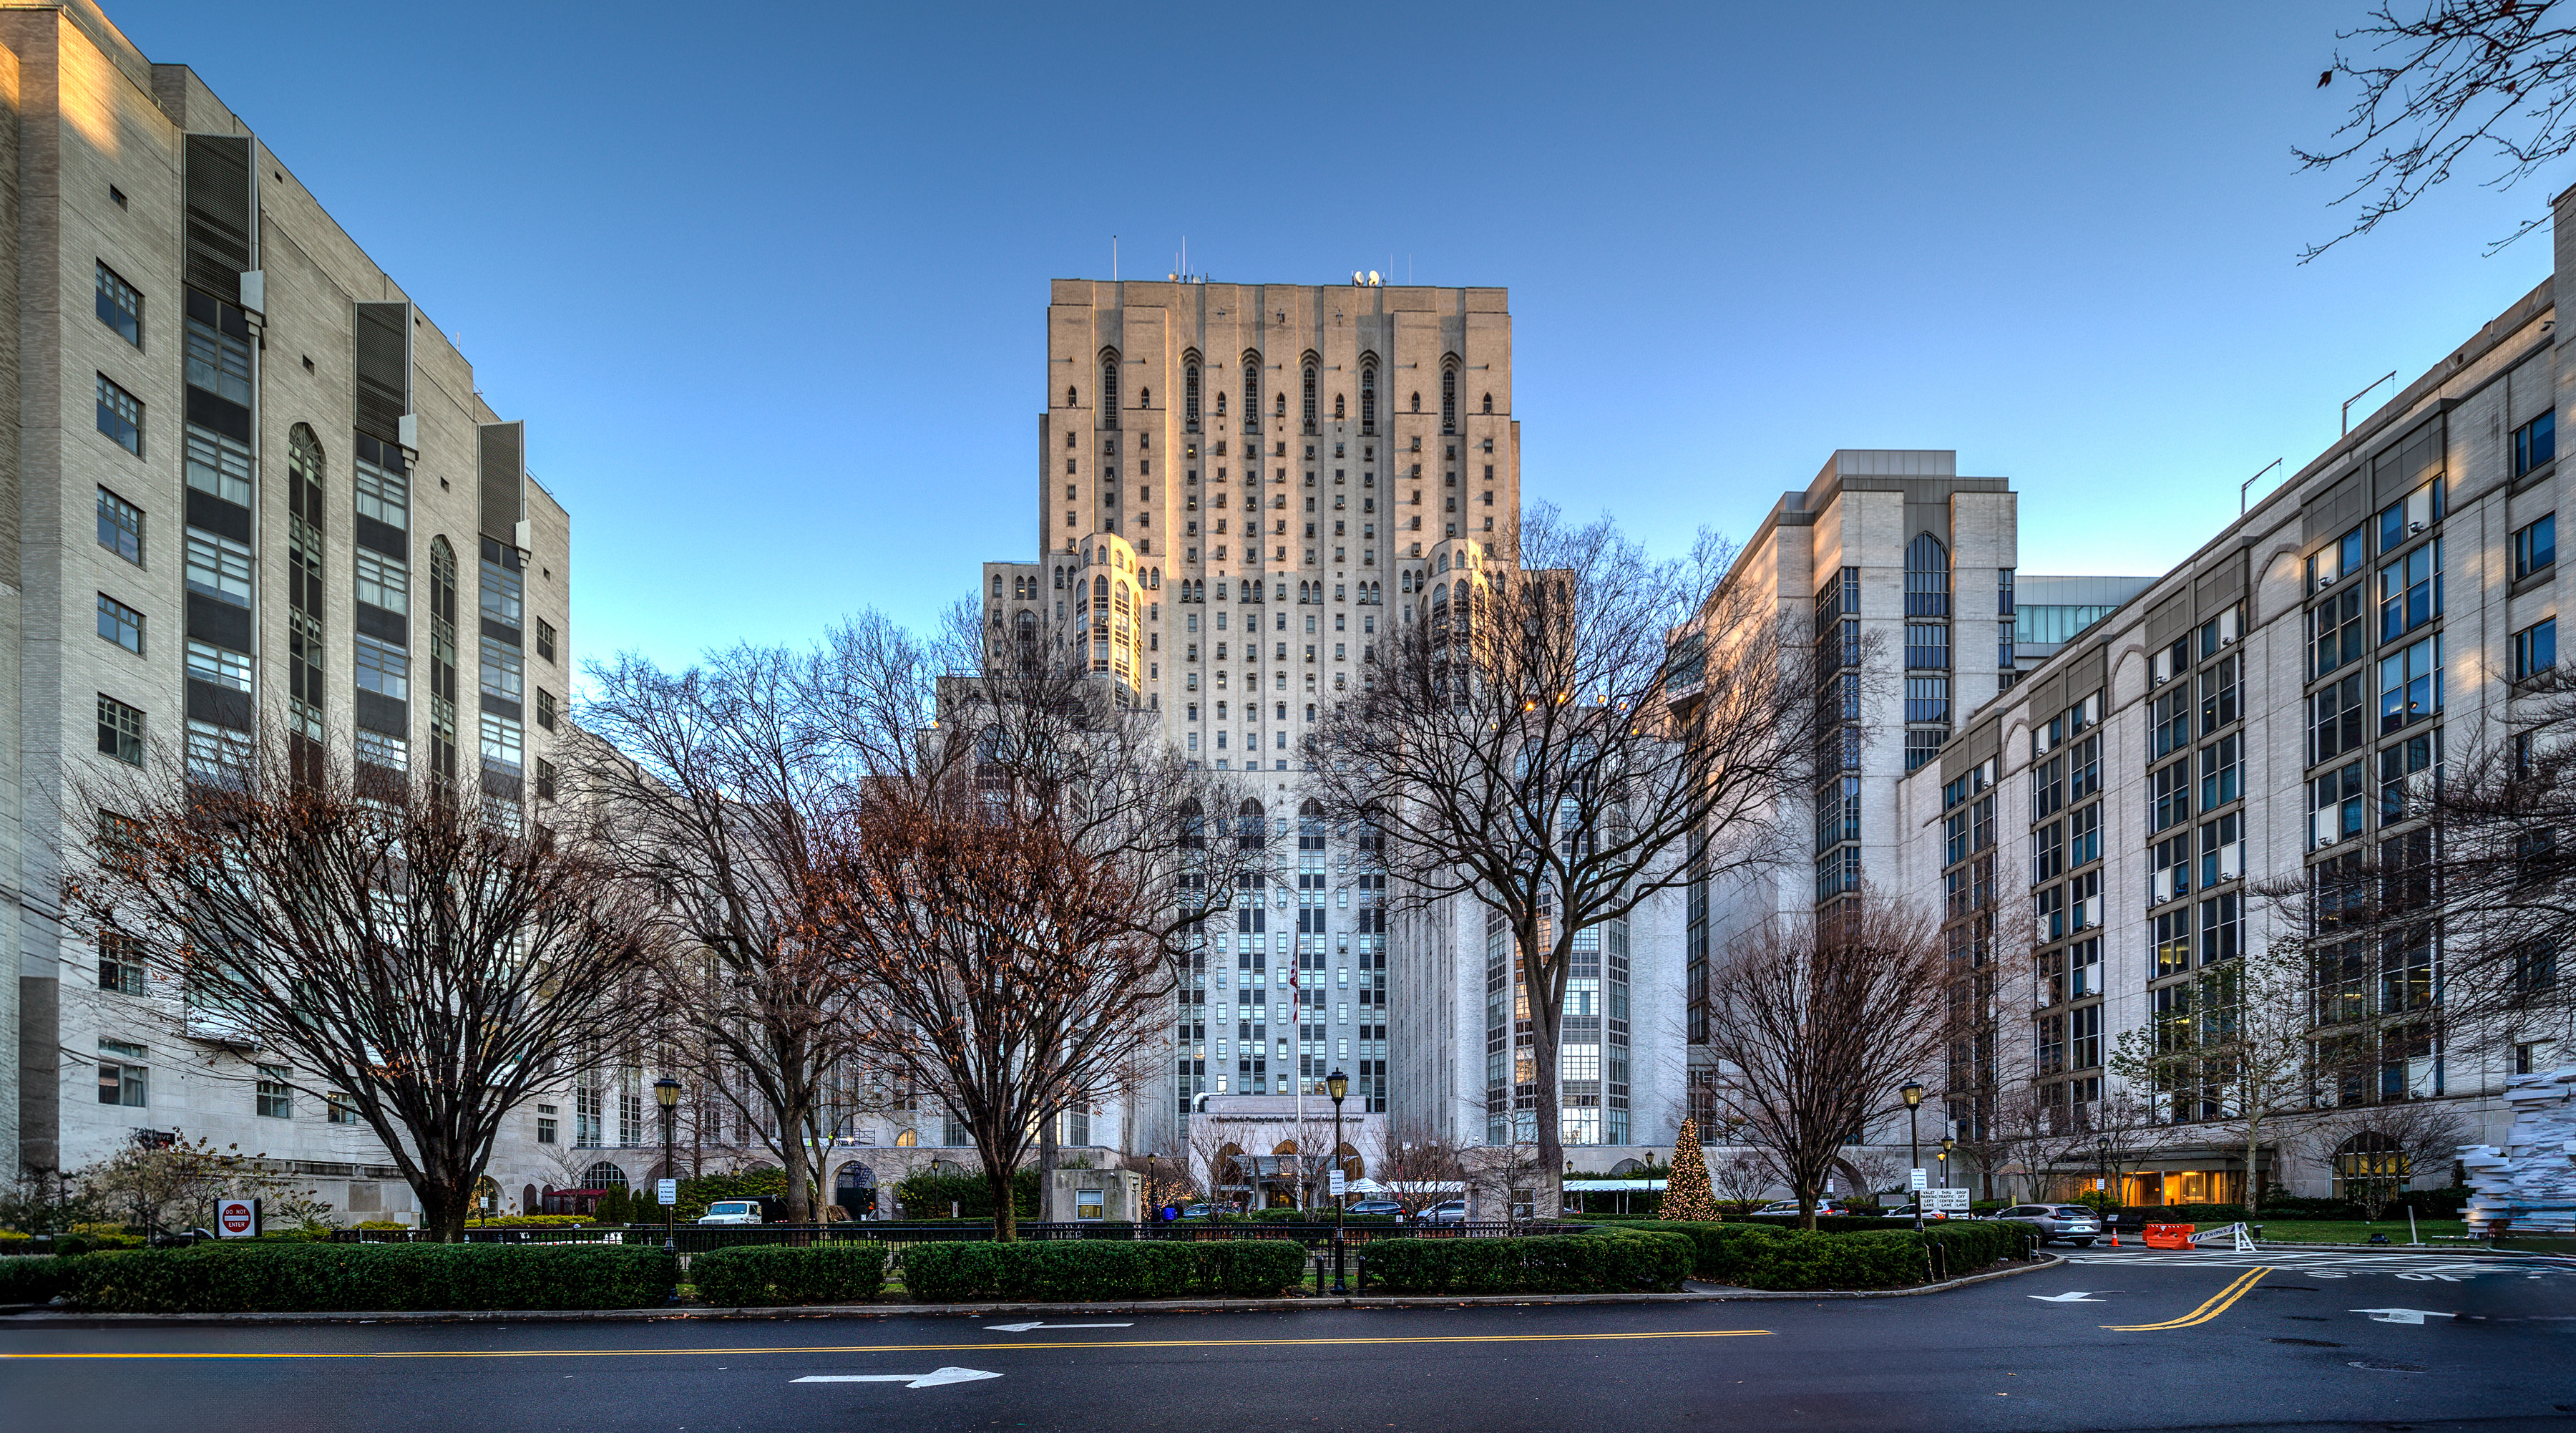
(2530, 1184)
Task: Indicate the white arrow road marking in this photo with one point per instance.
(2078, 1296)
(1024, 1328)
(908, 1380)
(2401, 1316)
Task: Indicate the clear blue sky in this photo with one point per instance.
(768, 282)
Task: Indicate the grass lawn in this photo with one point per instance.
(2446, 1232)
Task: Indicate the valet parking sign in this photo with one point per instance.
(237, 1218)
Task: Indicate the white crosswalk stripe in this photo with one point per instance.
(2427, 1267)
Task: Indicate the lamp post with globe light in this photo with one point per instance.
(666, 1093)
(1912, 1091)
(1337, 1084)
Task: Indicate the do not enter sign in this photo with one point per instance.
(237, 1218)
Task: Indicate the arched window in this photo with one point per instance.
(1251, 829)
(1220, 403)
(1251, 386)
(1310, 826)
(1145, 399)
(1193, 822)
(1190, 391)
(1109, 389)
(1281, 405)
(1449, 396)
(1307, 412)
(1070, 397)
(442, 663)
(1368, 394)
(1927, 577)
(1338, 413)
(1489, 402)
(1100, 590)
(603, 1175)
(997, 587)
(908, 1139)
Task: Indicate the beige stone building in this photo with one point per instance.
(247, 482)
(1240, 487)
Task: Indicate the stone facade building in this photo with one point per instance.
(286, 500)
(1240, 487)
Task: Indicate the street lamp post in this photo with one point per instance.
(1337, 1084)
(1948, 1143)
(666, 1093)
(1912, 1091)
(2102, 1148)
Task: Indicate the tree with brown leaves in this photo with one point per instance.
(1543, 737)
(1815, 1022)
(410, 950)
(705, 789)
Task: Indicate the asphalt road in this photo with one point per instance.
(2194, 1341)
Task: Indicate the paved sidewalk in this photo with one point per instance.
(1695, 1292)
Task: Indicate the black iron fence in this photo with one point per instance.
(699, 1238)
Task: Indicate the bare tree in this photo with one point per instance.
(152, 1182)
(1420, 1168)
(1874, 1172)
(704, 788)
(2232, 1049)
(2377, 1150)
(1744, 1176)
(405, 949)
(1548, 735)
(1815, 1021)
(2442, 86)
(1012, 893)
(1507, 1178)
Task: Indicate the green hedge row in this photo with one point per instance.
(280, 1278)
(1083, 1269)
(36, 1279)
(1601, 1261)
(1763, 1255)
(748, 1275)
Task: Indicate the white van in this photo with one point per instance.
(732, 1211)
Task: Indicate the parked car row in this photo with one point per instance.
(2077, 1224)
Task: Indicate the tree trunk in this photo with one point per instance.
(997, 1178)
(444, 1205)
(1547, 1007)
(2253, 1174)
(1047, 1156)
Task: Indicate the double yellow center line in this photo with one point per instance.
(908, 1347)
(2216, 1305)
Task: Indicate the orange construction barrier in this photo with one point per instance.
(2169, 1236)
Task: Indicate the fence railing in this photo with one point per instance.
(699, 1238)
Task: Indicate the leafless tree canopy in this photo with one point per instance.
(1540, 739)
(705, 788)
(1009, 897)
(2450, 80)
(1816, 1022)
(410, 953)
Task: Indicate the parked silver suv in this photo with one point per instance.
(2074, 1223)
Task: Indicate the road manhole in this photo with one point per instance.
(2305, 1342)
(2385, 1365)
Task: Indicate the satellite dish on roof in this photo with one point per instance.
(1372, 277)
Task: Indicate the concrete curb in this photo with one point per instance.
(1713, 1295)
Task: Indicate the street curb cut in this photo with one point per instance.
(882, 1311)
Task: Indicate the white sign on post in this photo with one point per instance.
(237, 1218)
(669, 1190)
(1949, 1201)
(1338, 1180)
(1914, 1180)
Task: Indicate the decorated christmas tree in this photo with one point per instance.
(1686, 1195)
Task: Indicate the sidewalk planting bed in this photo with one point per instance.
(1600, 1262)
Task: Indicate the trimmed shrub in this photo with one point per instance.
(1600, 1261)
(1799, 1260)
(1082, 1269)
(214, 1278)
(841, 1272)
(35, 1280)
(1720, 1252)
